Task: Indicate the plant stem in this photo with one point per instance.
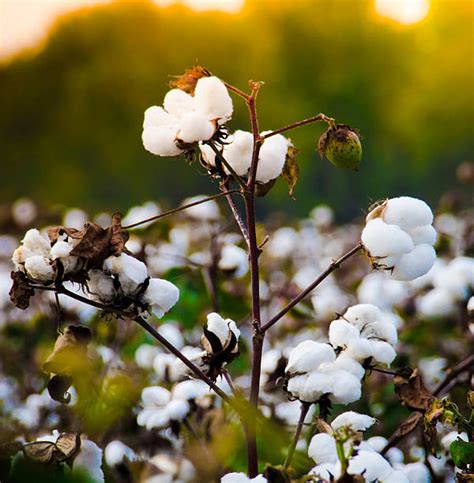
(180, 208)
(291, 450)
(238, 218)
(231, 170)
(237, 91)
(333, 266)
(319, 117)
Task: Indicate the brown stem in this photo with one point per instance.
(238, 218)
(319, 117)
(180, 208)
(231, 170)
(333, 266)
(304, 411)
(237, 91)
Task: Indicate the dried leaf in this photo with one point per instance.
(57, 388)
(408, 426)
(20, 292)
(40, 451)
(323, 426)
(411, 391)
(291, 170)
(187, 81)
(68, 444)
(66, 447)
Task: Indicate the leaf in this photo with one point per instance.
(408, 426)
(20, 292)
(411, 390)
(41, 451)
(66, 447)
(187, 81)
(462, 453)
(68, 444)
(291, 170)
(323, 426)
(57, 388)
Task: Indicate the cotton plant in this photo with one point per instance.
(312, 350)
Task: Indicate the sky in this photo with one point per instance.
(25, 23)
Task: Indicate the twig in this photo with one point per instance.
(231, 170)
(180, 208)
(333, 266)
(304, 411)
(238, 218)
(464, 365)
(237, 91)
(319, 117)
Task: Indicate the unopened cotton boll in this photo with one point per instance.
(272, 157)
(352, 420)
(161, 295)
(212, 99)
(194, 127)
(39, 268)
(161, 140)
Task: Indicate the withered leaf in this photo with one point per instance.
(411, 390)
(70, 350)
(323, 426)
(68, 444)
(187, 81)
(56, 231)
(41, 451)
(20, 292)
(408, 426)
(291, 170)
(57, 388)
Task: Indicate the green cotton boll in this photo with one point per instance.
(341, 146)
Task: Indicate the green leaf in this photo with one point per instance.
(462, 453)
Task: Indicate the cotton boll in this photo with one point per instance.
(382, 352)
(194, 127)
(155, 396)
(100, 286)
(282, 243)
(322, 449)
(371, 464)
(24, 211)
(360, 349)
(407, 212)
(157, 116)
(212, 99)
(385, 331)
(218, 326)
(423, 234)
(416, 472)
(61, 250)
(382, 239)
(39, 268)
(362, 314)
(352, 420)
(329, 299)
(172, 334)
(326, 471)
(115, 452)
(242, 478)
(289, 412)
(238, 152)
(308, 355)
(161, 295)
(161, 140)
(178, 102)
(36, 243)
(341, 333)
(177, 409)
(436, 303)
(233, 259)
(189, 390)
(145, 354)
(208, 211)
(346, 388)
(272, 158)
(89, 460)
(377, 442)
(130, 271)
(19, 257)
(379, 289)
(139, 213)
(310, 387)
(346, 363)
(415, 264)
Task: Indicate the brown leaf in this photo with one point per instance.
(68, 444)
(56, 231)
(70, 350)
(323, 426)
(408, 426)
(291, 170)
(411, 390)
(187, 81)
(21, 292)
(57, 388)
(41, 451)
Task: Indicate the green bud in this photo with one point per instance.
(341, 145)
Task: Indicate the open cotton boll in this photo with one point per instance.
(272, 158)
(212, 99)
(416, 472)
(341, 333)
(383, 240)
(362, 314)
(89, 461)
(161, 140)
(233, 259)
(379, 289)
(155, 396)
(100, 286)
(178, 102)
(346, 387)
(208, 211)
(39, 268)
(218, 326)
(308, 355)
(157, 116)
(172, 333)
(145, 354)
(161, 295)
(407, 212)
(115, 452)
(423, 234)
(238, 152)
(327, 471)
(436, 303)
(322, 449)
(131, 272)
(191, 389)
(61, 250)
(177, 409)
(34, 241)
(139, 213)
(371, 465)
(415, 264)
(194, 127)
(352, 420)
(242, 478)
(346, 363)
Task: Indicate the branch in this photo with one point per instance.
(304, 411)
(464, 365)
(231, 170)
(238, 218)
(319, 117)
(333, 266)
(237, 91)
(180, 208)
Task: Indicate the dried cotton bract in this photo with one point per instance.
(399, 237)
(185, 119)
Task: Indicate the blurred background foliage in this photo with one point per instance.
(72, 112)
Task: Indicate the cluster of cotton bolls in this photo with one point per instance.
(399, 237)
(185, 119)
